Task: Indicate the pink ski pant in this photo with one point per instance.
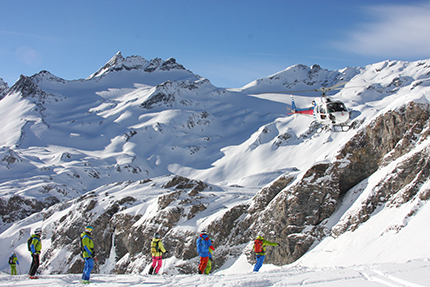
(156, 263)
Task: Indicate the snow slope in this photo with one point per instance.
(411, 274)
(134, 120)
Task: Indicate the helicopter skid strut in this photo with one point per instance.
(319, 128)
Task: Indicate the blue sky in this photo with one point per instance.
(230, 42)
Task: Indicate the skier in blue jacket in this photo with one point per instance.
(203, 245)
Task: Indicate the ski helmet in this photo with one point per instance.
(89, 228)
(204, 231)
(157, 235)
(38, 230)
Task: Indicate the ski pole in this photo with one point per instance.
(96, 265)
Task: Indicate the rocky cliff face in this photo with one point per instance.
(296, 215)
(392, 136)
(122, 238)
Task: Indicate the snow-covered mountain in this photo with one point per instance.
(143, 146)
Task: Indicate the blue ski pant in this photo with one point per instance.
(89, 264)
(260, 260)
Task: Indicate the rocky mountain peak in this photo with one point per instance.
(45, 76)
(3, 84)
(27, 88)
(119, 63)
(171, 64)
(3, 88)
(114, 61)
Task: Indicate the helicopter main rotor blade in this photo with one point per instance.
(285, 92)
(338, 85)
(291, 92)
(322, 89)
(334, 87)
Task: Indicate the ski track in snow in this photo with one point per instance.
(409, 274)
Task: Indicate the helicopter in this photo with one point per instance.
(326, 112)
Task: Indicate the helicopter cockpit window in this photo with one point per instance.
(336, 107)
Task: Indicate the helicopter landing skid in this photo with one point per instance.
(319, 128)
(341, 128)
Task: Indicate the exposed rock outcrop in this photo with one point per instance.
(16, 207)
(294, 215)
(3, 88)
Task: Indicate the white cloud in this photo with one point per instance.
(29, 56)
(396, 31)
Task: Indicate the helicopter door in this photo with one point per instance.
(322, 111)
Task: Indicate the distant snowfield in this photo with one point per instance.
(413, 273)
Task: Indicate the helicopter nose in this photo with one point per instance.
(339, 117)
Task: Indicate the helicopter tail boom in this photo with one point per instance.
(295, 110)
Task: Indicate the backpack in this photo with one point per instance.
(29, 243)
(30, 240)
(82, 245)
(11, 260)
(154, 247)
(258, 246)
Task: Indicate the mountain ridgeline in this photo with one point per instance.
(148, 146)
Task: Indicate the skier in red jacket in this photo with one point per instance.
(260, 250)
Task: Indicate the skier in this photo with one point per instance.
(157, 250)
(203, 245)
(87, 246)
(260, 250)
(209, 266)
(35, 246)
(13, 260)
